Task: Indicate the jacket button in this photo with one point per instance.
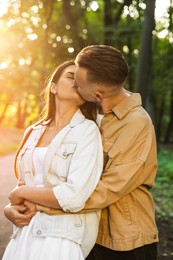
(155, 236)
(64, 154)
(78, 225)
(38, 232)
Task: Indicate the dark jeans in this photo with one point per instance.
(147, 252)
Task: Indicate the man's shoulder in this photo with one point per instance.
(139, 113)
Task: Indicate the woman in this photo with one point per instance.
(60, 163)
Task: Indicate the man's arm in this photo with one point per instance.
(132, 164)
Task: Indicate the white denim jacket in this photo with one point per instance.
(73, 166)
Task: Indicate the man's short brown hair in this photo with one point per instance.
(105, 64)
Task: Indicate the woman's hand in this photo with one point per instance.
(16, 195)
(19, 215)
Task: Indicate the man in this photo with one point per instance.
(127, 225)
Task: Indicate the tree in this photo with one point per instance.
(111, 20)
(35, 36)
(144, 81)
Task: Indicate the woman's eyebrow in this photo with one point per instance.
(70, 73)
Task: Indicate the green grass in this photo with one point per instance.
(163, 188)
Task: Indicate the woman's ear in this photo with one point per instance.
(53, 88)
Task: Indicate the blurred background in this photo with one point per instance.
(35, 36)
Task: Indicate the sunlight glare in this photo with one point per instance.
(10, 22)
(58, 38)
(3, 65)
(162, 34)
(70, 49)
(161, 8)
(125, 49)
(22, 62)
(3, 7)
(34, 8)
(32, 36)
(94, 6)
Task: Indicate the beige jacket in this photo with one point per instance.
(128, 215)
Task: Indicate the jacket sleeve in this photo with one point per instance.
(84, 172)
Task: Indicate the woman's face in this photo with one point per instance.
(65, 90)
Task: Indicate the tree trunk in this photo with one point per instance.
(110, 22)
(19, 115)
(3, 112)
(169, 131)
(78, 42)
(160, 120)
(144, 68)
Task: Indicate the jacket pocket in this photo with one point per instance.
(61, 161)
(23, 162)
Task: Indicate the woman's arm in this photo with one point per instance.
(38, 195)
(84, 173)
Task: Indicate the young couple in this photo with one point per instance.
(72, 194)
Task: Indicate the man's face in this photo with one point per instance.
(84, 88)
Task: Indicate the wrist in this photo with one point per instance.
(17, 193)
(22, 192)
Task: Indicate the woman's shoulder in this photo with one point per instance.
(88, 122)
(85, 129)
(80, 120)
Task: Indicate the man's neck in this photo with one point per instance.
(109, 102)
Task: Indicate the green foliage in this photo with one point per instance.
(163, 188)
(35, 36)
(94, 23)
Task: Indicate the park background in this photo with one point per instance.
(35, 36)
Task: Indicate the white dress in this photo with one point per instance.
(24, 246)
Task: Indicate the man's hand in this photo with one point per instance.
(19, 215)
(30, 208)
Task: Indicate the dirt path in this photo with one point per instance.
(7, 182)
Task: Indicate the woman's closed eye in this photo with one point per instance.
(70, 75)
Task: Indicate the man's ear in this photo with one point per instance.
(98, 96)
(53, 88)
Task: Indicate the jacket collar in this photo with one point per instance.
(121, 109)
(77, 119)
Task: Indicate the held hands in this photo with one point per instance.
(20, 215)
(20, 211)
(30, 208)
